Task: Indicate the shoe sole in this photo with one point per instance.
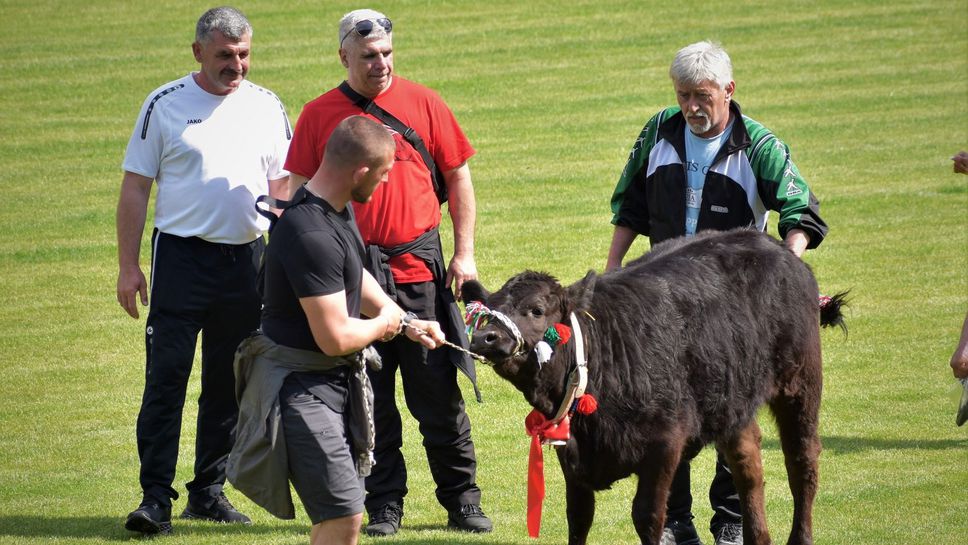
(188, 515)
(379, 533)
(144, 525)
(459, 528)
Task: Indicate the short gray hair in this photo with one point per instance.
(229, 21)
(700, 62)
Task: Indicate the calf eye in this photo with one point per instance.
(537, 312)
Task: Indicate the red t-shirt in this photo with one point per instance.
(406, 206)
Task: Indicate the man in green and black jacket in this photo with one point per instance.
(699, 166)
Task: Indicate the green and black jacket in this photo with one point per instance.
(751, 175)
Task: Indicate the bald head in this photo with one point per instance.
(358, 157)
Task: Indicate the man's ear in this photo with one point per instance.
(359, 173)
(342, 58)
(197, 51)
(472, 290)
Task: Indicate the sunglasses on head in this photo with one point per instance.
(365, 27)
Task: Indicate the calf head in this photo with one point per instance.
(533, 301)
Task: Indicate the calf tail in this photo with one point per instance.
(830, 310)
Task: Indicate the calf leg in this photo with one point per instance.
(796, 418)
(742, 453)
(579, 510)
(655, 479)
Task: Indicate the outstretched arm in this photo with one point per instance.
(335, 332)
(375, 302)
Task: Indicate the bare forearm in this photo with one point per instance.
(375, 302)
(797, 241)
(372, 297)
(132, 286)
(336, 333)
(130, 226)
(356, 335)
(130, 220)
(959, 359)
(622, 239)
(295, 182)
(463, 210)
(279, 189)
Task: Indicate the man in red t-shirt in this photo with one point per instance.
(402, 211)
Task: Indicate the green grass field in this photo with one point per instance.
(871, 96)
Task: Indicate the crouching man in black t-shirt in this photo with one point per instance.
(304, 397)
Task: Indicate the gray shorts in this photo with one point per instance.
(321, 466)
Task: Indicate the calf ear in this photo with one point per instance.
(580, 293)
(472, 290)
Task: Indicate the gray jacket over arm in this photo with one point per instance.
(258, 465)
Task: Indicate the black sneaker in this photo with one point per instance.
(469, 518)
(221, 511)
(150, 518)
(680, 532)
(728, 534)
(385, 521)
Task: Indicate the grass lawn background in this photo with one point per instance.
(872, 98)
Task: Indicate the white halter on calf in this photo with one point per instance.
(478, 315)
(578, 379)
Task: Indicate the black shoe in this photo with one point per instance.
(730, 533)
(680, 532)
(150, 518)
(221, 510)
(469, 518)
(385, 521)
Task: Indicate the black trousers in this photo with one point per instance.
(722, 495)
(196, 286)
(434, 399)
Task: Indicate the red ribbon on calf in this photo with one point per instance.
(540, 428)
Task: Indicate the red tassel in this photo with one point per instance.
(564, 333)
(587, 404)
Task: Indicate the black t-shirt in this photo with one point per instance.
(313, 250)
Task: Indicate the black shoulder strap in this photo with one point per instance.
(272, 202)
(410, 135)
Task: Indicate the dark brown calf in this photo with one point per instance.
(683, 346)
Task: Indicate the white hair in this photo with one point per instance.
(349, 21)
(702, 61)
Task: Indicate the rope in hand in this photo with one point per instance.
(477, 357)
